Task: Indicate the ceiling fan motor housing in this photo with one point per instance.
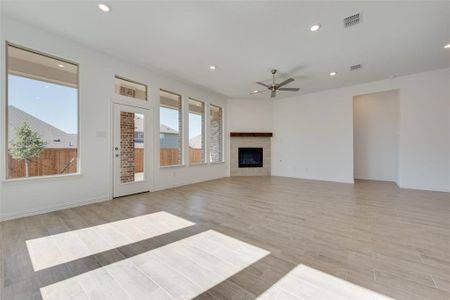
(274, 87)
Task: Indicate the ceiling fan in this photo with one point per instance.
(274, 87)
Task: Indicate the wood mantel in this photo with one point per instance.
(251, 134)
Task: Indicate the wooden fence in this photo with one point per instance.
(52, 161)
(169, 156)
(195, 156)
(138, 160)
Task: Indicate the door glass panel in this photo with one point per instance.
(131, 147)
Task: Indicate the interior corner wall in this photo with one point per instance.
(313, 137)
(424, 150)
(30, 196)
(313, 133)
(250, 115)
(375, 136)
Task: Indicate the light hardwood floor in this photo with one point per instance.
(392, 241)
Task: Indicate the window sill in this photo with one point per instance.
(172, 166)
(47, 177)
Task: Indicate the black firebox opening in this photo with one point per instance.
(250, 157)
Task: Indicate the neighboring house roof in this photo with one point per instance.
(166, 129)
(196, 142)
(54, 137)
(139, 126)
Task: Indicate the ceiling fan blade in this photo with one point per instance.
(258, 92)
(263, 84)
(273, 94)
(289, 89)
(286, 82)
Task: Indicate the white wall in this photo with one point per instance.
(248, 115)
(97, 72)
(375, 135)
(313, 133)
(425, 131)
(313, 137)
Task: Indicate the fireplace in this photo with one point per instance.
(250, 153)
(250, 157)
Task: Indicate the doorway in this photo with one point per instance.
(130, 142)
(376, 136)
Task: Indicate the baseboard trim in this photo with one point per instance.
(316, 179)
(421, 188)
(33, 212)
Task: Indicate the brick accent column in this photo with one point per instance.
(127, 162)
(216, 134)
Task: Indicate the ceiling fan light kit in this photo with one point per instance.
(274, 87)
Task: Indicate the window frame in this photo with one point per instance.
(131, 81)
(204, 133)
(222, 140)
(181, 129)
(5, 176)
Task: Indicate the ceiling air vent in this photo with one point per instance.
(355, 67)
(352, 20)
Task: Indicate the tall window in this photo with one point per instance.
(196, 131)
(170, 117)
(215, 134)
(42, 113)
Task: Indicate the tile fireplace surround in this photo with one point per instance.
(250, 140)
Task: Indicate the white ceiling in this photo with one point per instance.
(246, 39)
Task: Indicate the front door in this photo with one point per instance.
(130, 141)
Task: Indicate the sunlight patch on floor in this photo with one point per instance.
(182, 270)
(64, 247)
(306, 283)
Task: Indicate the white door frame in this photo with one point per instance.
(123, 189)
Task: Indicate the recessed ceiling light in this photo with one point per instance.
(333, 74)
(447, 46)
(255, 91)
(61, 65)
(104, 7)
(315, 27)
(212, 67)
